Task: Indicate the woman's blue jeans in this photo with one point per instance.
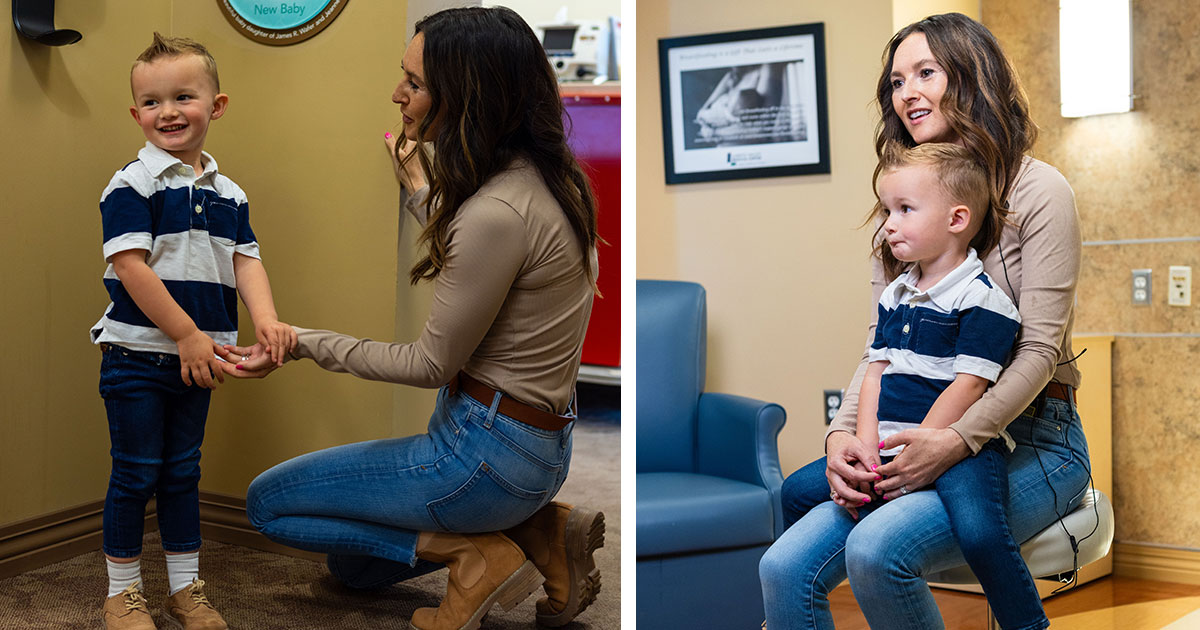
(156, 425)
(886, 553)
(476, 470)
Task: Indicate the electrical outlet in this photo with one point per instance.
(1141, 287)
(833, 402)
(1179, 286)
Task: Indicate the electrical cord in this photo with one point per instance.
(1074, 579)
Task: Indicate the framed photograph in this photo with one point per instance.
(744, 104)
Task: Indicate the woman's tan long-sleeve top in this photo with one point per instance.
(510, 306)
(1037, 265)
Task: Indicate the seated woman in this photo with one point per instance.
(946, 79)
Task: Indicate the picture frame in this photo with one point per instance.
(744, 104)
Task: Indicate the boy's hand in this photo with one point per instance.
(279, 339)
(198, 363)
(870, 461)
(407, 166)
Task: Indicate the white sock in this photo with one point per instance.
(122, 575)
(182, 568)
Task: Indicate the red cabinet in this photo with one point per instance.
(594, 130)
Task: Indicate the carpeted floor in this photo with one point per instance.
(257, 590)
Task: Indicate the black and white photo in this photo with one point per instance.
(744, 104)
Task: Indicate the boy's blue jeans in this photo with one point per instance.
(156, 425)
(885, 553)
(476, 470)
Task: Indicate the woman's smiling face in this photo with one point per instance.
(412, 94)
(918, 84)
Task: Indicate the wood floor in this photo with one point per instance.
(1112, 603)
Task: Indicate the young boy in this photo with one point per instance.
(944, 334)
(180, 249)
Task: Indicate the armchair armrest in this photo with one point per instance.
(737, 438)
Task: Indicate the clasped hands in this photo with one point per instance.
(254, 361)
(275, 341)
(856, 477)
(204, 362)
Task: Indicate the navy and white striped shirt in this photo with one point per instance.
(191, 226)
(962, 324)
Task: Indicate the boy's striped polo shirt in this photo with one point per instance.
(190, 227)
(962, 324)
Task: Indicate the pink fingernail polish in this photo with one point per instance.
(881, 444)
(874, 466)
(878, 478)
(238, 366)
(388, 135)
(866, 501)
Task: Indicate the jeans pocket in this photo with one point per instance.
(538, 447)
(486, 502)
(115, 369)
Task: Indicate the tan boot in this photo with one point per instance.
(189, 609)
(485, 569)
(127, 610)
(560, 540)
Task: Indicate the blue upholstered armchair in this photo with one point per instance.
(708, 475)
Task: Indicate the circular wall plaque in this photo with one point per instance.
(280, 22)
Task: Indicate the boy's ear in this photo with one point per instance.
(219, 104)
(960, 218)
(133, 111)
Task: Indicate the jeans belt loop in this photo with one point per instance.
(506, 405)
(487, 423)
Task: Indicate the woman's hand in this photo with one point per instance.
(927, 454)
(846, 462)
(407, 165)
(252, 362)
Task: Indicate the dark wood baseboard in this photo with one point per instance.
(36, 542)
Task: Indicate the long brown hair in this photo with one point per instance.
(984, 103)
(492, 86)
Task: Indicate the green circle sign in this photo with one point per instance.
(280, 22)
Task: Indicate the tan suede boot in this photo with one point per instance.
(190, 609)
(127, 610)
(485, 569)
(560, 540)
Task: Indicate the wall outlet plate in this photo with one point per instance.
(1142, 285)
(1179, 286)
(833, 402)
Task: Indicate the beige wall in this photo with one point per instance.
(1134, 177)
(538, 12)
(303, 137)
(905, 12)
(769, 250)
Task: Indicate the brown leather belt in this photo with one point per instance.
(509, 406)
(1053, 389)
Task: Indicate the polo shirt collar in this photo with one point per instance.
(158, 161)
(943, 293)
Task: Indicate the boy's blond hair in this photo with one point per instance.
(175, 47)
(964, 182)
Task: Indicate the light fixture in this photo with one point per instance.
(1094, 57)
